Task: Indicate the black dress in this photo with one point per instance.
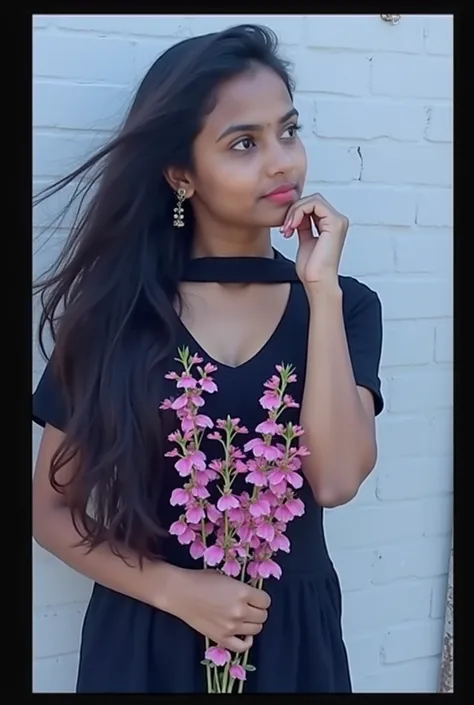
(128, 646)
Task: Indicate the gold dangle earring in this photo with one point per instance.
(178, 221)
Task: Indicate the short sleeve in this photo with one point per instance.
(49, 404)
(363, 323)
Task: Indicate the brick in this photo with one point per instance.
(56, 584)
(366, 205)
(439, 124)
(441, 432)
(435, 208)
(419, 252)
(56, 630)
(414, 641)
(364, 654)
(57, 674)
(146, 52)
(369, 119)
(386, 605)
(367, 251)
(56, 154)
(425, 558)
(373, 526)
(47, 213)
(414, 478)
(407, 343)
(83, 58)
(403, 436)
(336, 73)
(429, 164)
(354, 567)
(79, 106)
(332, 162)
(438, 597)
(439, 35)
(444, 335)
(418, 676)
(438, 516)
(148, 25)
(420, 390)
(412, 298)
(412, 76)
(41, 21)
(365, 32)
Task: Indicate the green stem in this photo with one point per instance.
(246, 654)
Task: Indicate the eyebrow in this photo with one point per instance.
(248, 127)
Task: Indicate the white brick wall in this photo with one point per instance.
(376, 104)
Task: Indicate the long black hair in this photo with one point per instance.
(108, 299)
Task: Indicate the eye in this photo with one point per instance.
(292, 130)
(244, 144)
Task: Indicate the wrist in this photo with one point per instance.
(324, 291)
(167, 580)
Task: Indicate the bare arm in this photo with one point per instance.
(54, 531)
(337, 415)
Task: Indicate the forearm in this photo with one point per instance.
(154, 583)
(338, 429)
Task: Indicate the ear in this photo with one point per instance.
(178, 178)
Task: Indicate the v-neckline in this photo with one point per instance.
(237, 270)
(253, 358)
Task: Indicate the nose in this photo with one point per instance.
(278, 159)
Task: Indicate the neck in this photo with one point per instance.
(236, 243)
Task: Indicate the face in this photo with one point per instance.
(248, 148)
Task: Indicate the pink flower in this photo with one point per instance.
(197, 548)
(268, 427)
(260, 507)
(186, 382)
(231, 567)
(214, 436)
(283, 513)
(228, 501)
(214, 555)
(172, 375)
(261, 449)
(240, 466)
(279, 489)
(203, 421)
(289, 402)
(270, 400)
(195, 514)
(236, 515)
(295, 506)
(213, 514)
(280, 543)
(238, 672)
(196, 360)
(182, 531)
(294, 479)
(266, 531)
(166, 404)
(179, 497)
(208, 385)
(217, 655)
(275, 477)
(257, 477)
(200, 491)
(178, 527)
(269, 568)
(173, 453)
(272, 383)
(195, 459)
(180, 402)
(196, 400)
(187, 423)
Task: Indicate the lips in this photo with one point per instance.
(284, 188)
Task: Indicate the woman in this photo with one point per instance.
(174, 250)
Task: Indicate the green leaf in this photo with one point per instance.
(250, 668)
(205, 662)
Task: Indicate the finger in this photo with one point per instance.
(239, 646)
(305, 229)
(259, 598)
(255, 615)
(249, 629)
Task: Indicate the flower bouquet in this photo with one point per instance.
(240, 533)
